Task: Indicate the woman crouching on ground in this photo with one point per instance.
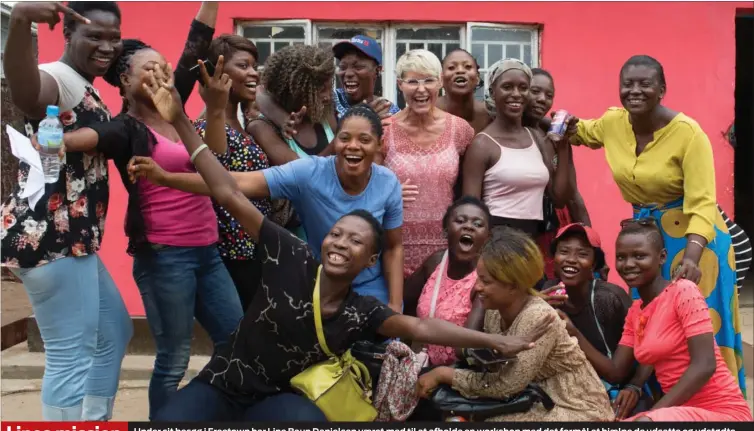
(241, 383)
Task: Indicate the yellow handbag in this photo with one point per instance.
(340, 387)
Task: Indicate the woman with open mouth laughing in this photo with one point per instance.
(448, 276)
(323, 189)
(509, 165)
(460, 80)
(423, 145)
(663, 164)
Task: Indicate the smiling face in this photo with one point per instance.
(493, 294)
(511, 92)
(460, 73)
(640, 89)
(574, 260)
(637, 259)
(241, 68)
(93, 47)
(358, 73)
(348, 248)
(420, 91)
(541, 96)
(468, 230)
(355, 146)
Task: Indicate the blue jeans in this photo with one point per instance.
(85, 328)
(202, 402)
(176, 284)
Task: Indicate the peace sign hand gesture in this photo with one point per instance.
(160, 89)
(45, 12)
(216, 90)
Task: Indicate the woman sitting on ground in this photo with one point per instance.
(276, 340)
(450, 272)
(670, 329)
(345, 182)
(509, 268)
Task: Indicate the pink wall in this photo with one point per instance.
(583, 45)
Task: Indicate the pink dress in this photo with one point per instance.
(434, 170)
(677, 314)
(453, 305)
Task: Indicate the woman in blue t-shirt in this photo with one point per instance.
(322, 190)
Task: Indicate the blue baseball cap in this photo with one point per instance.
(366, 45)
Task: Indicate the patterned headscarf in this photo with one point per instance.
(495, 71)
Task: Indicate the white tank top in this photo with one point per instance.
(514, 187)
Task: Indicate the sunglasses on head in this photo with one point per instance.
(646, 221)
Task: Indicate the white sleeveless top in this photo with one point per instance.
(514, 187)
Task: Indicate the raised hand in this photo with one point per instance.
(291, 124)
(216, 90)
(45, 12)
(160, 89)
(381, 106)
(409, 191)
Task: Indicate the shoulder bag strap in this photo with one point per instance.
(318, 316)
(597, 321)
(438, 282)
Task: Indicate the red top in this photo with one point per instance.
(659, 334)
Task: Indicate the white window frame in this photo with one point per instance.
(389, 37)
(306, 23)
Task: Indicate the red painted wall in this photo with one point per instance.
(582, 44)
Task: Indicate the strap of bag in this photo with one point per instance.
(597, 321)
(438, 281)
(318, 316)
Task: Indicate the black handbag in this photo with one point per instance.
(371, 355)
(451, 403)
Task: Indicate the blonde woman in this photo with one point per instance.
(424, 145)
(508, 269)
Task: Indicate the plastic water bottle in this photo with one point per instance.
(50, 138)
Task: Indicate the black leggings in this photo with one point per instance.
(246, 275)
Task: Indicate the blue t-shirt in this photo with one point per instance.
(313, 188)
(342, 106)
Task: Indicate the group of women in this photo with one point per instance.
(456, 211)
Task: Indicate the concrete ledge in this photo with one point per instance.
(141, 342)
(21, 364)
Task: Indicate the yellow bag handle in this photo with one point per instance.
(318, 317)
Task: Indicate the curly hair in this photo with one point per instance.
(294, 77)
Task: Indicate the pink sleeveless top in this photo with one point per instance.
(453, 305)
(173, 217)
(515, 186)
(435, 170)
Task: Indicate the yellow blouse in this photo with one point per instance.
(677, 163)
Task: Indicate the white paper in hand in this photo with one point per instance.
(21, 147)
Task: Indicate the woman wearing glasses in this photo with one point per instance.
(423, 145)
(650, 149)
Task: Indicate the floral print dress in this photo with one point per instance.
(69, 220)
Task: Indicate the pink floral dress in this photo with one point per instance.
(435, 170)
(453, 305)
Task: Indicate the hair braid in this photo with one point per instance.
(294, 77)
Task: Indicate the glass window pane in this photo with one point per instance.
(337, 34)
(277, 46)
(412, 46)
(436, 49)
(273, 32)
(494, 53)
(264, 50)
(527, 55)
(477, 51)
(440, 33)
(513, 51)
(400, 49)
(492, 34)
